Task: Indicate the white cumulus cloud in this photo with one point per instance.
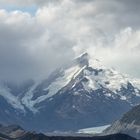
(31, 45)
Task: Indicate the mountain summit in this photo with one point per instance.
(80, 94)
(83, 59)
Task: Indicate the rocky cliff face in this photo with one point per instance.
(128, 124)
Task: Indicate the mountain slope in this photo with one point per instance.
(13, 132)
(109, 137)
(79, 95)
(128, 124)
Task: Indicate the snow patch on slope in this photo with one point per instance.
(27, 99)
(93, 130)
(90, 84)
(53, 88)
(10, 98)
(108, 78)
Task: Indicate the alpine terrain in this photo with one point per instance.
(128, 124)
(79, 95)
(14, 132)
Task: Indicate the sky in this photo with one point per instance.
(37, 36)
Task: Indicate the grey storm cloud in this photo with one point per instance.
(32, 45)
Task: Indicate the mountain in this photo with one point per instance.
(109, 137)
(13, 132)
(80, 94)
(128, 124)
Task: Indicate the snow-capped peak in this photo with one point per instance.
(84, 55)
(81, 88)
(86, 59)
(83, 59)
(83, 71)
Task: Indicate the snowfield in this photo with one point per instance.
(93, 130)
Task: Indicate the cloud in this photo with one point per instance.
(27, 49)
(28, 2)
(32, 45)
(124, 54)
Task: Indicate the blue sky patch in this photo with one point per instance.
(30, 9)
